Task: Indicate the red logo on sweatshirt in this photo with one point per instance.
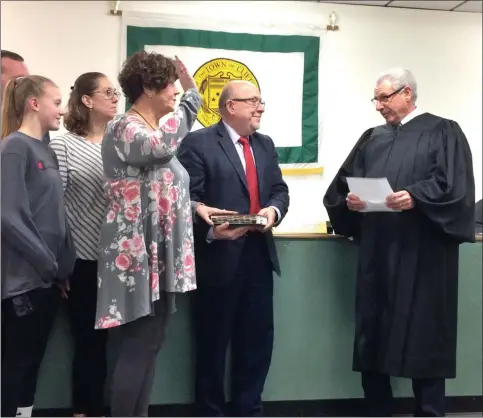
(40, 165)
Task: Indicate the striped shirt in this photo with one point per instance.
(80, 166)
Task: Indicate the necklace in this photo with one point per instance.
(134, 110)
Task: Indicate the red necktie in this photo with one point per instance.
(251, 173)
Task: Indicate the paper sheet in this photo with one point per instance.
(372, 191)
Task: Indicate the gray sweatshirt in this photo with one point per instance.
(37, 248)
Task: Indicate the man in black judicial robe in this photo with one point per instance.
(479, 217)
(407, 276)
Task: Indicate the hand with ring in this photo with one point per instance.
(400, 201)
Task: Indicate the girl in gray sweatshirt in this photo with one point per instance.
(37, 254)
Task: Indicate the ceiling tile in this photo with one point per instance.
(432, 5)
(470, 6)
(456, 5)
(358, 2)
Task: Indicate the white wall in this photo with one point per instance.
(62, 39)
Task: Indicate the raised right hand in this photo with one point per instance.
(354, 203)
(224, 232)
(186, 80)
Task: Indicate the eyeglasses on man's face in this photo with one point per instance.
(383, 99)
(252, 101)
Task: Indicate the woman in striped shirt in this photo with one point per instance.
(93, 102)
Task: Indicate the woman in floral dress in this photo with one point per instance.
(146, 243)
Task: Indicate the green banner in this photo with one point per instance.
(235, 56)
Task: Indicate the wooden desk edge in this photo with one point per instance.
(478, 238)
(307, 235)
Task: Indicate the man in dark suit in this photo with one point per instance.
(13, 66)
(232, 166)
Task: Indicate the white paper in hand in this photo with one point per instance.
(372, 191)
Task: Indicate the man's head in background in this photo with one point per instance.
(13, 66)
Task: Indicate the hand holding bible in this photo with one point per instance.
(205, 212)
(270, 214)
(224, 231)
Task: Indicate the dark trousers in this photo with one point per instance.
(27, 322)
(241, 311)
(89, 363)
(133, 377)
(429, 396)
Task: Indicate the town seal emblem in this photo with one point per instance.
(210, 79)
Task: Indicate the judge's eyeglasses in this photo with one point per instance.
(385, 99)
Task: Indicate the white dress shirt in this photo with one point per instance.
(238, 146)
(416, 112)
(239, 149)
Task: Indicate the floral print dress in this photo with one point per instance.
(146, 239)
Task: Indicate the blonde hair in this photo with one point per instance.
(17, 92)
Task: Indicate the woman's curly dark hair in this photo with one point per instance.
(146, 70)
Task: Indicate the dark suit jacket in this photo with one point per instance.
(217, 179)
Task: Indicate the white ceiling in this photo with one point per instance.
(471, 6)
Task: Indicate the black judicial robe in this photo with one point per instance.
(479, 217)
(407, 275)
